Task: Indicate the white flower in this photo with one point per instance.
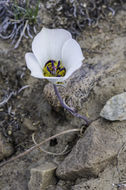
(54, 45)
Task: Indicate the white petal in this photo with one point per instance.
(54, 80)
(33, 65)
(72, 70)
(72, 56)
(48, 44)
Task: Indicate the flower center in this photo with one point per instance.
(54, 69)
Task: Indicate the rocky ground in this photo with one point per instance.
(96, 158)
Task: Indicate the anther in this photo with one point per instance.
(54, 69)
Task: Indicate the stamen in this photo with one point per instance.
(58, 75)
(54, 69)
(62, 69)
(52, 63)
(58, 64)
(48, 69)
(48, 62)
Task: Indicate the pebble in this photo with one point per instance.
(29, 125)
(115, 108)
(42, 176)
(6, 148)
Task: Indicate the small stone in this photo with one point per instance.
(9, 132)
(42, 176)
(64, 185)
(103, 182)
(104, 6)
(51, 187)
(4, 48)
(115, 108)
(94, 45)
(29, 125)
(84, 5)
(6, 148)
(110, 14)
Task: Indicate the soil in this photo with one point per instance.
(28, 111)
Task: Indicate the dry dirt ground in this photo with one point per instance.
(29, 111)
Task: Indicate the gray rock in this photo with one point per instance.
(51, 187)
(64, 185)
(104, 182)
(122, 187)
(115, 108)
(6, 148)
(29, 125)
(92, 153)
(61, 185)
(4, 48)
(42, 176)
(100, 78)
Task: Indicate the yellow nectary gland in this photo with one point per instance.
(54, 69)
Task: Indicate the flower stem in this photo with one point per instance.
(71, 110)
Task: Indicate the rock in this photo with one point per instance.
(104, 182)
(61, 185)
(4, 47)
(122, 187)
(29, 125)
(101, 77)
(115, 108)
(42, 176)
(6, 148)
(121, 163)
(51, 187)
(92, 153)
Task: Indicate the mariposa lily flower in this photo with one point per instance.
(55, 55)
